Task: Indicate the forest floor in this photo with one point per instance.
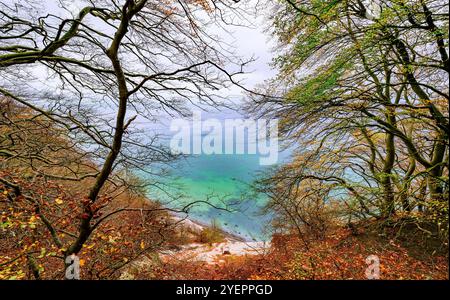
(343, 253)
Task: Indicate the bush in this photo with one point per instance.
(212, 234)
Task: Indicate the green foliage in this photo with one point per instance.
(212, 234)
(321, 86)
(302, 34)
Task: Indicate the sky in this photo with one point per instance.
(247, 42)
(253, 41)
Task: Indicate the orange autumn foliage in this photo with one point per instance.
(341, 255)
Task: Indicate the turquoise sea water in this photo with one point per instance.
(222, 180)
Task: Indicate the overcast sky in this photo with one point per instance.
(247, 42)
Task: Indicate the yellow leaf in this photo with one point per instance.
(5, 192)
(142, 245)
(58, 201)
(82, 262)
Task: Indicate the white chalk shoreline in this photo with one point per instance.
(197, 226)
(215, 252)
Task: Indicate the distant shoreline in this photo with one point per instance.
(230, 235)
(227, 234)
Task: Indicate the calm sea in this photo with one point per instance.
(222, 180)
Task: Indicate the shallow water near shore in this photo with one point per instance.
(224, 182)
